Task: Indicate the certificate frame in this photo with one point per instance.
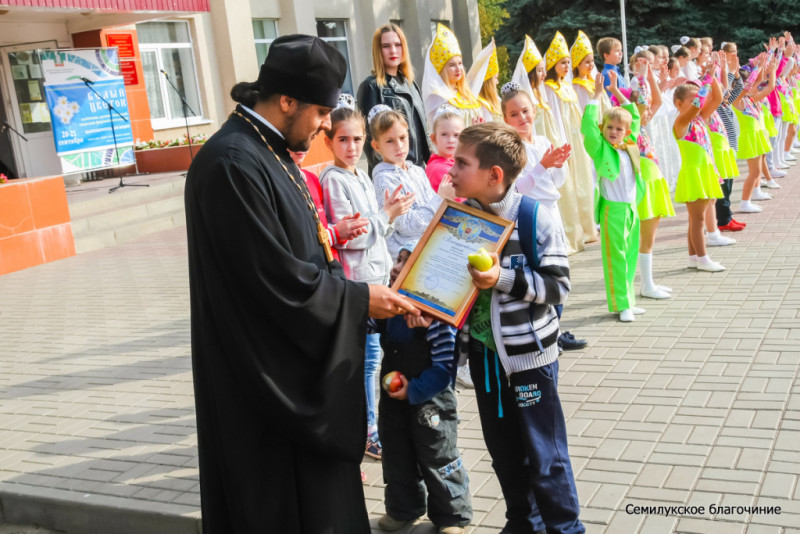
(463, 230)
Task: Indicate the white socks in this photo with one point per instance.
(646, 266)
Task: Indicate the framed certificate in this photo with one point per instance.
(435, 276)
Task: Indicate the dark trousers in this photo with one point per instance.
(419, 452)
(526, 436)
(724, 214)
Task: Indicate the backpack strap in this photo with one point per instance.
(528, 210)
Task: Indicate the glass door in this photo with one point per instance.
(26, 110)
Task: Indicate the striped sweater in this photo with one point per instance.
(735, 86)
(524, 319)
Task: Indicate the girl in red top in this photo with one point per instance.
(447, 125)
(346, 229)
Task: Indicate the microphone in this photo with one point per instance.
(164, 72)
(86, 80)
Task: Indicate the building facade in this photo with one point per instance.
(205, 46)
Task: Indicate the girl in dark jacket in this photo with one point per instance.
(392, 84)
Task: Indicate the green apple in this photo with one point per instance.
(481, 260)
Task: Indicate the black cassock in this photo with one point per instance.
(278, 340)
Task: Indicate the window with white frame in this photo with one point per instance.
(167, 46)
(335, 33)
(265, 31)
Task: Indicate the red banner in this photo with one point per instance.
(115, 5)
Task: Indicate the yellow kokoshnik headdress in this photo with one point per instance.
(494, 67)
(530, 54)
(445, 46)
(580, 49)
(558, 50)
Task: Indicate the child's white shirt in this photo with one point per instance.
(623, 189)
(537, 182)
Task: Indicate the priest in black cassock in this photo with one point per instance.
(278, 334)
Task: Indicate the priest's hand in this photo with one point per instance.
(351, 226)
(385, 303)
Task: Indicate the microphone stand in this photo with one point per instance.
(5, 126)
(184, 106)
(114, 134)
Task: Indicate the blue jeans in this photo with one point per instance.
(372, 362)
(526, 436)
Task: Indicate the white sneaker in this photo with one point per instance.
(463, 377)
(775, 173)
(638, 311)
(758, 194)
(770, 184)
(654, 293)
(626, 316)
(710, 266)
(749, 208)
(665, 289)
(788, 156)
(692, 263)
(718, 240)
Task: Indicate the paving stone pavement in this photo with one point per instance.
(696, 403)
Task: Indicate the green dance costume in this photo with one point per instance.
(767, 120)
(619, 190)
(698, 177)
(753, 137)
(724, 155)
(656, 201)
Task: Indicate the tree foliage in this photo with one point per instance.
(492, 15)
(748, 23)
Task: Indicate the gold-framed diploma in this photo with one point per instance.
(436, 277)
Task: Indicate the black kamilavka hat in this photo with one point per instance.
(304, 67)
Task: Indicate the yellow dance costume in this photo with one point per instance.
(753, 136)
(698, 177)
(656, 201)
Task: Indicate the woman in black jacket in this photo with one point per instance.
(392, 84)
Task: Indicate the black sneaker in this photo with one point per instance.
(567, 341)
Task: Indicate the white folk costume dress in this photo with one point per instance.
(666, 147)
(484, 68)
(564, 103)
(436, 93)
(546, 126)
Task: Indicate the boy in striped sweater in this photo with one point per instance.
(511, 337)
(418, 423)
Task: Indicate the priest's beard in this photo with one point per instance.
(302, 127)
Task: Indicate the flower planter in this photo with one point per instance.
(174, 158)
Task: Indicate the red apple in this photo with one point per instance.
(391, 382)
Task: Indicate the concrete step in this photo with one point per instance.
(126, 196)
(118, 218)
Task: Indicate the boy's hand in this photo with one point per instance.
(446, 189)
(351, 226)
(420, 321)
(486, 279)
(402, 393)
(556, 157)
